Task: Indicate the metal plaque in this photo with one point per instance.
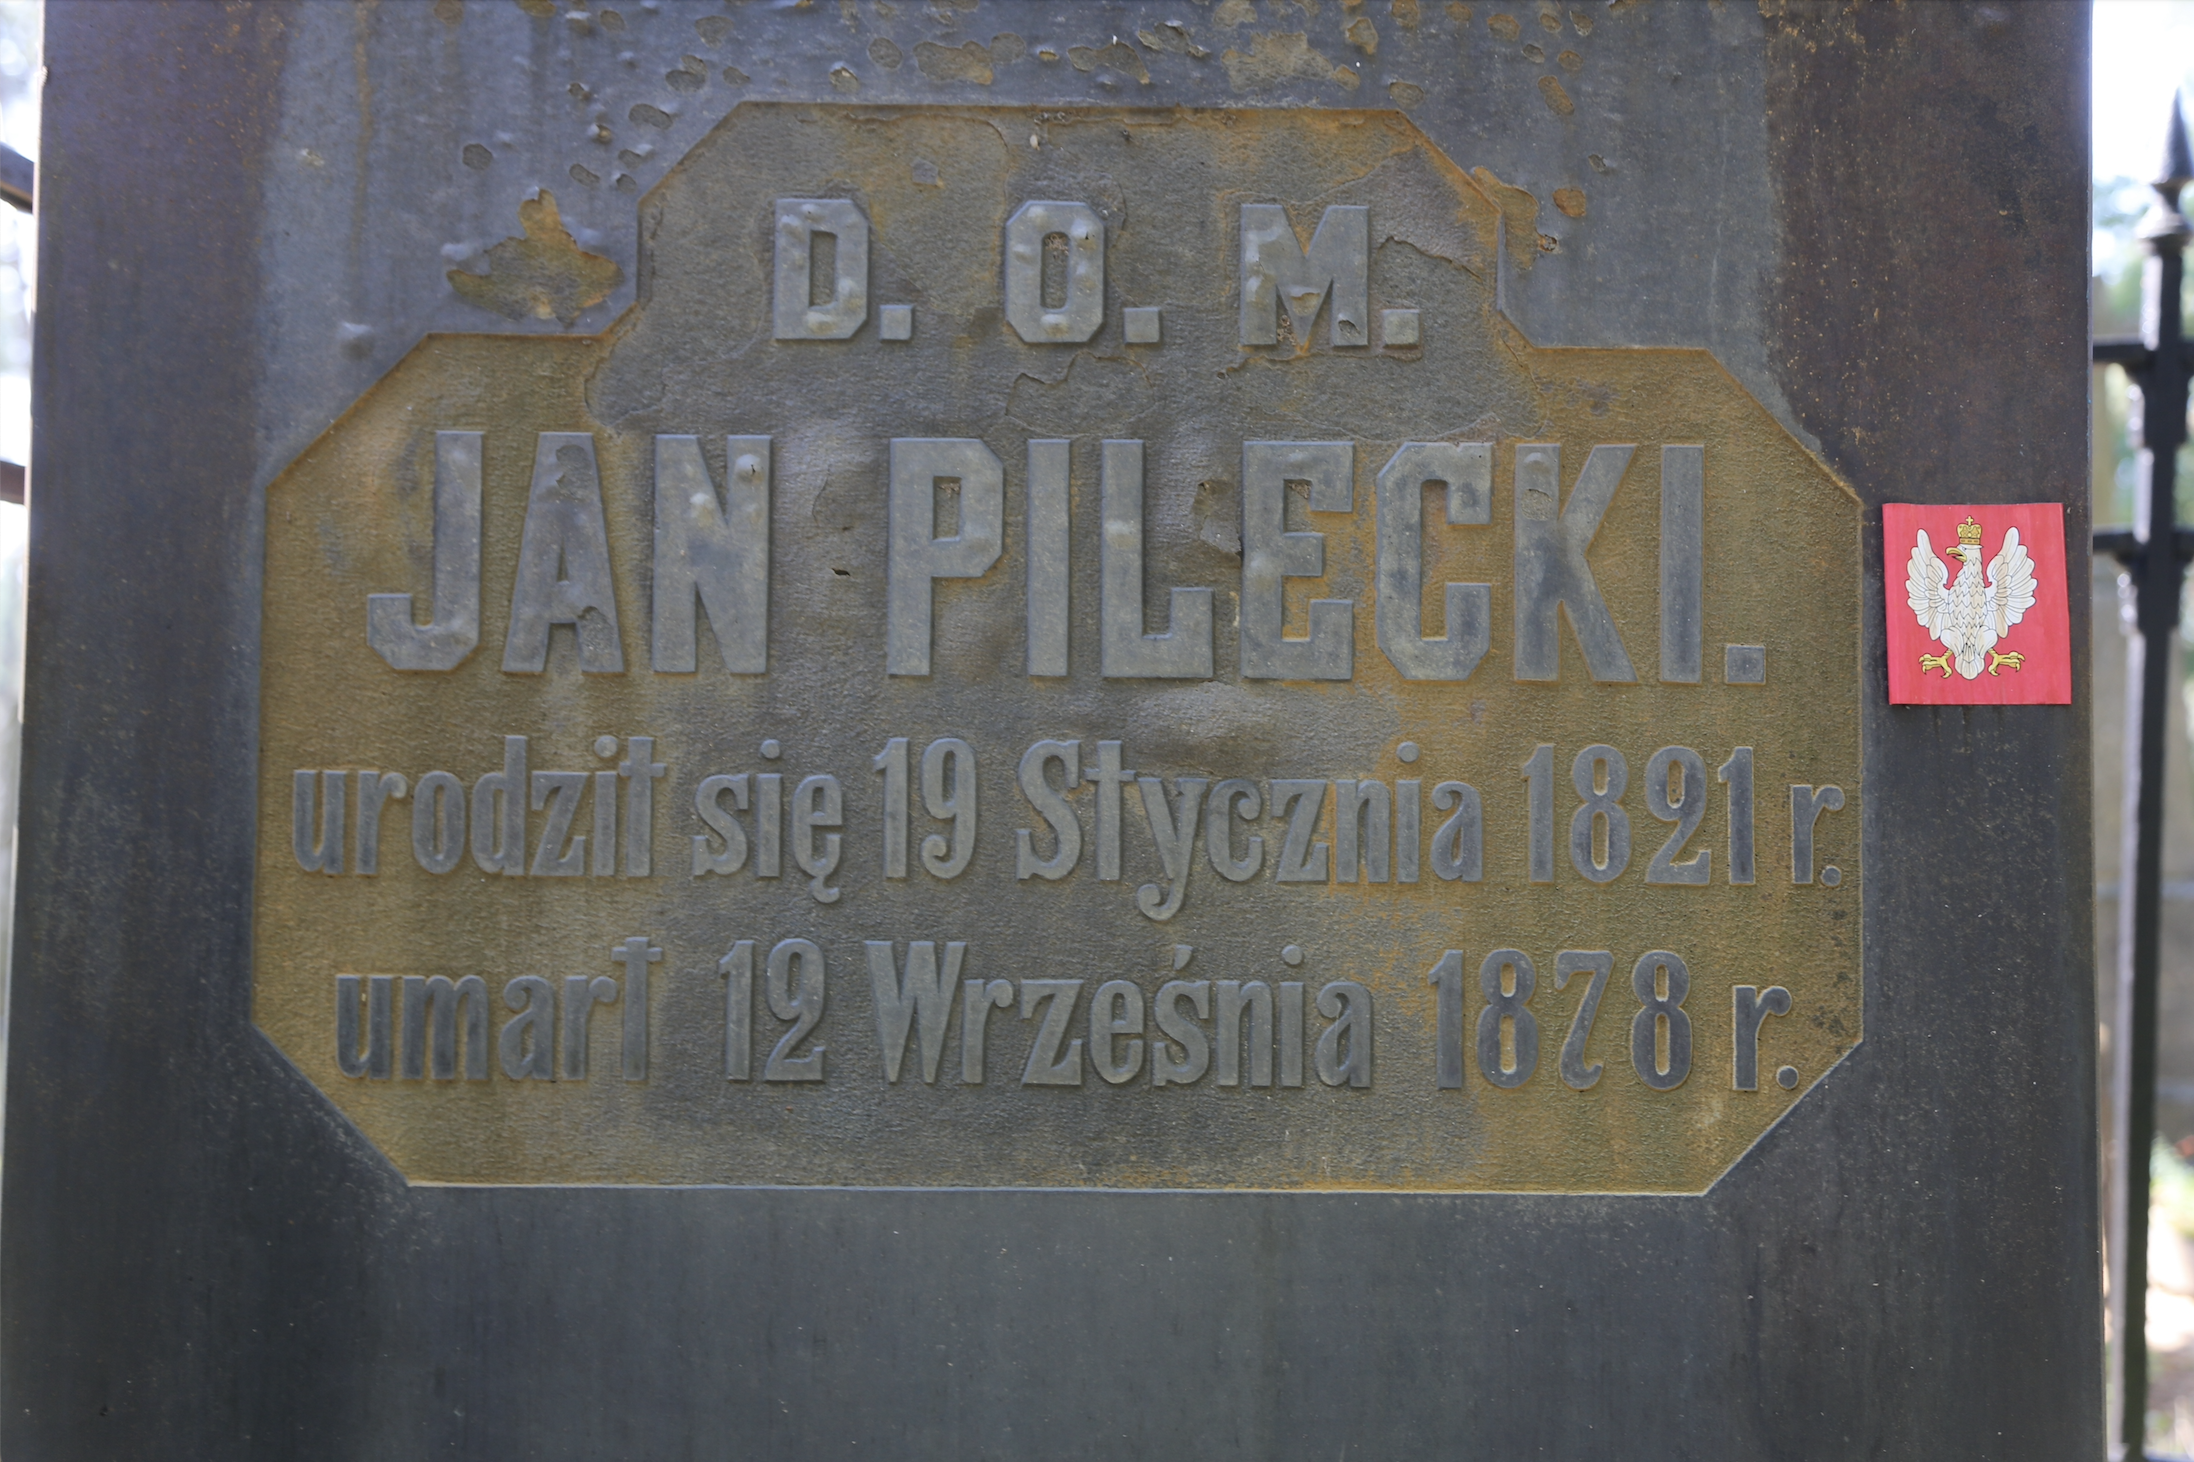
(1060, 648)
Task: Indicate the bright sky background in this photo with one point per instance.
(2144, 50)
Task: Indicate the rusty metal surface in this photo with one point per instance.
(201, 1258)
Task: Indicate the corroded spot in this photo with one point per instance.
(970, 62)
(1571, 201)
(1363, 35)
(543, 276)
(1520, 207)
(1274, 58)
(1556, 98)
(1118, 55)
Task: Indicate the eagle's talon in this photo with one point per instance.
(2013, 660)
(1936, 662)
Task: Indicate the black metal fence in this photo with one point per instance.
(2154, 552)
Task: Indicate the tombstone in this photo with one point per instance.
(981, 729)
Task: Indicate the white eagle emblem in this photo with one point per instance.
(1969, 615)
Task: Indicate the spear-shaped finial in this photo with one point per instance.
(2163, 221)
(2178, 168)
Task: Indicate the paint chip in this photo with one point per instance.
(544, 275)
(1274, 58)
(970, 63)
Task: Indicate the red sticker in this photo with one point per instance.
(1978, 613)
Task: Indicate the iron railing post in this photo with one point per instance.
(2154, 555)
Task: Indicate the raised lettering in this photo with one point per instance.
(374, 791)
(1508, 1033)
(1344, 1047)
(499, 814)
(1276, 270)
(1751, 1005)
(324, 854)
(1115, 1011)
(922, 998)
(1046, 1066)
(373, 1059)
(891, 765)
(1676, 792)
(1806, 806)
(817, 803)
(529, 1037)
(1458, 848)
(708, 801)
(641, 772)
(978, 999)
(1183, 652)
(1599, 964)
(636, 954)
(1050, 804)
(559, 792)
(563, 563)
(1303, 804)
(1683, 554)
(1234, 998)
(1362, 831)
(711, 555)
(1236, 797)
(948, 794)
(1446, 979)
(1291, 1033)
(1109, 775)
(1194, 1049)
(1552, 573)
(799, 220)
(581, 995)
(917, 555)
(438, 822)
(1050, 584)
(1174, 834)
(1271, 555)
(1737, 772)
(454, 631)
(1660, 1033)
(737, 968)
(432, 1006)
(798, 999)
(1465, 470)
(1028, 234)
